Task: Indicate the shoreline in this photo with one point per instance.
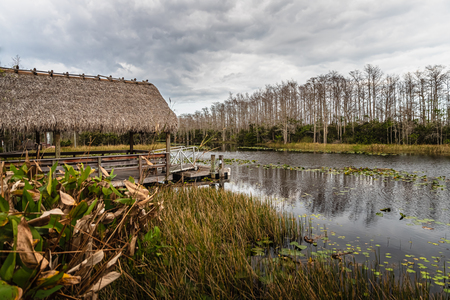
(373, 149)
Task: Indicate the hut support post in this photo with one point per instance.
(167, 142)
(57, 144)
(131, 143)
(38, 143)
(167, 155)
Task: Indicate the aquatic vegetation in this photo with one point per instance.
(373, 149)
(435, 183)
(229, 161)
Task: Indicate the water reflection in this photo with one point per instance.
(430, 165)
(349, 204)
(358, 197)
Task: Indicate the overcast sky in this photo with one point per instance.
(197, 52)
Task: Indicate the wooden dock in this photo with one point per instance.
(123, 174)
(199, 174)
(142, 166)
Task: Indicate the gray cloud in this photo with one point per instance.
(196, 52)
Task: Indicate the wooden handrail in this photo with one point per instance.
(89, 159)
(73, 153)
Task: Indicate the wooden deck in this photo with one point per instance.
(196, 175)
(142, 166)
(123, 174)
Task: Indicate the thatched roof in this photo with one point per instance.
(46, 101)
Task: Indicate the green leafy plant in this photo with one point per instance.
(54, 228)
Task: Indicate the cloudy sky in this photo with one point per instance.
(197, 52)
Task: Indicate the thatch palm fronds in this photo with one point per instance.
(40, 101)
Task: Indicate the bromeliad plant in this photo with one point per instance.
(63, 232)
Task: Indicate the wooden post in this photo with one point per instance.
(168, 142)
(38, 144)
(213, 166)
(167, 155)
(57, 135)
(221, 173)
(99, 162)
(131, 142)
(1, 178)
(167, 166)
(140, 170)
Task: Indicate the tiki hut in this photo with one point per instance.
(38, 101)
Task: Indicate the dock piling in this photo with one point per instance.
(213, 166)
(221, 170)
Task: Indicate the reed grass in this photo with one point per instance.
(358, 148)
(210, 237)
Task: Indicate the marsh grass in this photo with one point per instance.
(210, 241)
(358, 148)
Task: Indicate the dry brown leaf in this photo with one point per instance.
(133, 245)
(109, 217)
(69, 280)
(147, 161)
(35, 194)
(29, 257)
(65, 280)
(120, 211)
(53, 262)
(89, 262)
(143, 202)
(17, 185)
(104, 171)
(82, 224)
(46, 275)
(67, 199)
(136, 191)
(19, 295)
(113, 260)
(45, 217)
(37, 166)
(104, 281)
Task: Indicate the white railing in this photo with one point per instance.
(182, 158)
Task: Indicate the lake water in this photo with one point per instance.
(348, 207)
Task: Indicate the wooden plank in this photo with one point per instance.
(78, 153)
(151, 179)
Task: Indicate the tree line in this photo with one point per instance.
(365, 106)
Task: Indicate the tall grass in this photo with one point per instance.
(211, 236)
(373, 148)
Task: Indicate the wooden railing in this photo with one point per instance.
(21, 155)
(159, 163)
